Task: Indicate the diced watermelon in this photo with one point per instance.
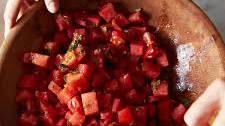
(107, 12)
(57, 77)
(94, 20)
(99, 78)
(54, 88)
(151, 52)
(105, 101)
(125, 116)
(86, 70)
(160, 89)
(65, 95)
(96, 36)
(93, 122)
(136, 49)
(90, 103)
(126, 82)
(51, 48)
(135, 97)
(75, 104)
(151, 110)
(105, 118)
(162, 59)
(24, 95)
(164, 110)
(77, 119)
(36, 59)
(121, 20)
(149, 38)
(63, 22)
(117, 105)
(113, 86)
(136, 17)
(136, 33)
(27, 119)
(28, 81)
(151, 70)
(117, 38)
(61, 122)
(76, 82)
(141, 114)
(178, 114)
(61, 37)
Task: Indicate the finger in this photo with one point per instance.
(10, 15)
(220, 119)
(52, 5)
(24, 6)
(202, 110)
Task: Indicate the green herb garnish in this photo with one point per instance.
(185, 101)
(62, 67)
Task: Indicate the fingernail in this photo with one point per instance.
(52, 6)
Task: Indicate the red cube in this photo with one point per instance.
(106, 118)
(136, 49)
(65, 95)
(125, 116)
(77, 119)
(54, 88)
(126, 82)
(107, 12)
(151, 70)
(75, 104)
(136, 17)
(162, 59)
(117, 105)
(90, 103)
(37, 59)
(86, 70)
(178, 114)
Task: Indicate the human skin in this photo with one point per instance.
(209, 108)
(16, 8)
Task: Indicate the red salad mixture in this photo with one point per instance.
(99, 69)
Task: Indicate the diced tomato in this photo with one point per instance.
(121, 20)
(77, 119)
(162, 59)
(141, 114)
(117, 105)
(125, 116)
(113, 86)
(51, 48)
(36, 59)
(86, 70)
(105, 101)
(151, 70)
(61, 122)
(136, 49)
(164, 110)
(27, 119)
(126, 82)
(149, 38)
(24, 95)
(136, 33)
(136, 17)
(99, 78)
(28, 81)
(90, 103)
(61, 37)
(77, 82)
(178, 114)
(107, 12)
(75, 104)
(105, 118)
(160, 89)
(151, 110)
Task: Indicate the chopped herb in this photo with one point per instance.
(62, 67)
(185, 101)
(76, 41)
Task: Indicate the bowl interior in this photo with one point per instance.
(196, 51)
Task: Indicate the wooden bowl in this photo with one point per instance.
(197, 53)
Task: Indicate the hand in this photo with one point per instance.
(16, 8)
(209, 109)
